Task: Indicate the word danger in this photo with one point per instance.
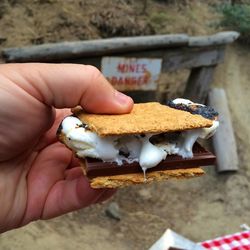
(128, 80)
(142, 77)
(131, 73)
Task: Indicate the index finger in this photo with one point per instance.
(68, 85)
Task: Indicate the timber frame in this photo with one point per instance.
(199, 54)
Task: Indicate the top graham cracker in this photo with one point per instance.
(151, 117)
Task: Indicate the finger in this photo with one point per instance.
(51, 135)
(73, 173)
(68, 85)
(70, 195)
(106, 195)
(53, 191)
(47, 168)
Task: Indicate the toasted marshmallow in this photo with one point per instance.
(133, 147)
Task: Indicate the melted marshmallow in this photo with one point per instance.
(88, 144)
(208, 132)
(182, 101)
(70, 123)
(189, 137)
(150, 155)
(185, 145)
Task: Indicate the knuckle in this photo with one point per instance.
(94, 72)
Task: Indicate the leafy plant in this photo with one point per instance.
(237, 17)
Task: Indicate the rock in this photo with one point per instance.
(145, 194)
(2, 39)
(113, 211)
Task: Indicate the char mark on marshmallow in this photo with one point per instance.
(58, 132)
(196, 109)
(170, 137)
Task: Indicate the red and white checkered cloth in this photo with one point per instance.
(238, 241)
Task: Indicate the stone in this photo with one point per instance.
(113, 211)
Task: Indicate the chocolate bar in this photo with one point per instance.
(202, 157)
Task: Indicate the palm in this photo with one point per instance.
(50, 182)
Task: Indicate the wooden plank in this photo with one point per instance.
(62, 51)
(172, 59)
(66, 50)
(221, 38)
(191, 57)
(198, 83)
(224, 140)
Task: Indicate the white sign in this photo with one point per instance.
(131, 73)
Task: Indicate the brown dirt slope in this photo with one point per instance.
(25, 22)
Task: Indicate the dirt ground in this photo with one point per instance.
(200, 208)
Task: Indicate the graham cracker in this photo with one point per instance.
(118, 181)
(151, 117)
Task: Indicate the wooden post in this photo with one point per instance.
(223, 140)
(198, 83)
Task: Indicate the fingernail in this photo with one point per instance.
(122, 98)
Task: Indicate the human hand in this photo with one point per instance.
(39, 177)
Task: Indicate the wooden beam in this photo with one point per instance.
(101, 47)
(172, 59)
(198, 83)
(220, 38)
(224, 141)
(66, 50)
(188, 58)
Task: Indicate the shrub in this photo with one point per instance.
(237, 17)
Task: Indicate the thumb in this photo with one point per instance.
(69, 85)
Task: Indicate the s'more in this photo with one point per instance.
(153, 142)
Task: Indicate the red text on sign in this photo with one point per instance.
(131, 68)
(128, 80)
